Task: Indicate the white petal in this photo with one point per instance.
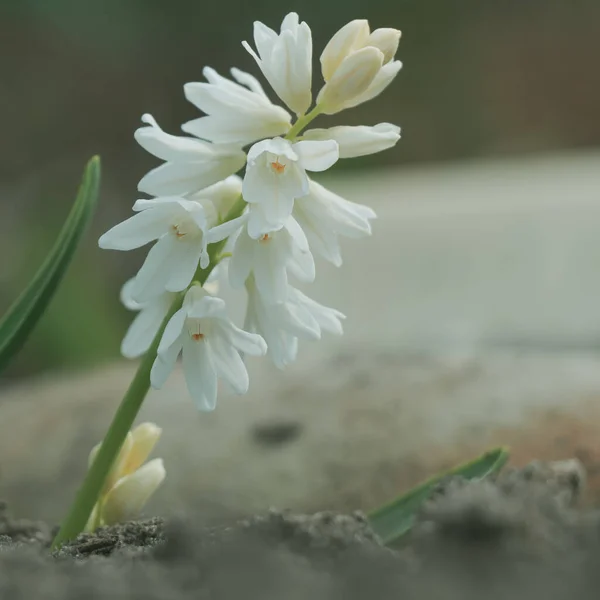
(386, 39)
(247, 343)
(127, 498)
(126, 296)
(172, 331)
(164, 364)
(317, 155)
(228, 363)
(328, 318)
(203, 305)
(188, 177)
(237, 129)
(144, 328)
(269, 267)
(200, 373)
(385, 76)
(242, 259)
(183, 261)
(220, 232)
(350, 37)
(359, 140)
(276, 145)
(137, 231)
(156, 270)
(170, 147)
(249, 81)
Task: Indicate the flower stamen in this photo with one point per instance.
(264, 238)
(179, 234)
(277, 167)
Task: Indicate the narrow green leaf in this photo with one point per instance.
(18, 322)
(393, 520)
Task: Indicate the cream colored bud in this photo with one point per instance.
(127, 498)
(144, 439)
(351, 79)
(349, 38)
(387, 40)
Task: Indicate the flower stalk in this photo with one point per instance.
(303, 122)
(92, 485)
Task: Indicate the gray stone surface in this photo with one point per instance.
(463, 258)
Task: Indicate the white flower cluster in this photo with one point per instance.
(271, 220)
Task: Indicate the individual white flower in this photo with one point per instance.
(237, 113)
(210, 345)
(357, 65)
(269, 258)
(147, 322)
(130, 483)
(286, 60)
(282, 324)
(359, 140)
(182, 231)
(191, 164)
(323, 216)
(276, 176)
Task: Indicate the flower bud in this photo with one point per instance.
(351, 79)
(144, 438)
(129, 495)
(349, 38)
(358, 140)
(387, 40)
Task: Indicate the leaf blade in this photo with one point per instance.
(26, 310)
(393, 520)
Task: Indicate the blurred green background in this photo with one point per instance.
(480, 78)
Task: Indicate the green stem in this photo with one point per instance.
(92, 485)
(302, 122)
(117, 432)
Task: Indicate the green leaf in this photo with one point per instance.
(22, 316)
(393, 520)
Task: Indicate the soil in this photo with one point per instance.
(521, 536)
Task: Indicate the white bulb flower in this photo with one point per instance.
(237, 113)
(130, 483)
(276, 176)
(286, 60)
(182, 231)
(358, 140)
(323, 216)
(210, 345)
(269, 258)
(282, 324)
(191, 164)
(357, 65)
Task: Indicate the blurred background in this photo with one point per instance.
(481, 79)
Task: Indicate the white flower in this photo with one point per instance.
(286, 60)
(276, 175)
(210, 344)
(130, 482)
(359, 140)
(238, 113)
(282, 324)
(147, 322)
(191, 164)
(182, 231)
(357, 65)
(324, 215)
(269, 258)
